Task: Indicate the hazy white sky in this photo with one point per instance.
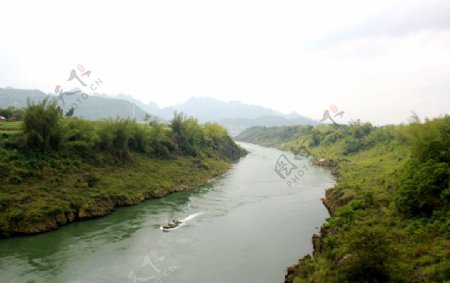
(376, 60)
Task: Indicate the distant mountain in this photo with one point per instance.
(151, 107)
(210, 109)
(18, 97)
(88, 107)
(207, 109)
(238, 125)
(234, 115)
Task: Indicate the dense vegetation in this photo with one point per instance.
(390, 219)
(54, 170)
(12, 114)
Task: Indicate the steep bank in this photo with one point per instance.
(389, 211)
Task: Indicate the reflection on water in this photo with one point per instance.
(251, 227)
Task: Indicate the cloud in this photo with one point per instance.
(397, 20)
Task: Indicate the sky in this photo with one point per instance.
(375, 60)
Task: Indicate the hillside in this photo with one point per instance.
(238, 125)
(390, 218)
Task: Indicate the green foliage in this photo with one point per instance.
(121, 136)
(139, 139)
(430, 140)
(426, 185)
(12, 113)
(368, 256)
(71, 166)
(390, 219)
(150, 120)
(159, 140)
(356, 138)
(273, 136)
(315, 138)
(425, 189)
(187, 134)
(80, 135)
(37, 189)
(42, 128)
(214, 134)
(105, 132)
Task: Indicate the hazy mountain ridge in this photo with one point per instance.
(234, 115)
(238, 125)
(90, 107)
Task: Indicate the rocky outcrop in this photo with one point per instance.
(324, 162)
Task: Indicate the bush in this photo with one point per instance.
(139, 138)
(367, 256)
(80, 135)
(105, 132)
(41, 128)
(425, 189)
(187, 134)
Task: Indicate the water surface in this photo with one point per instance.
(246, 226)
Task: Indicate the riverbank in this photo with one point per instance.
(55, 170)
(362, 197)
(389, 218)
(61, 191)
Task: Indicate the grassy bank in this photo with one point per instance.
(383, 227)
(49, 191)
(55, 170)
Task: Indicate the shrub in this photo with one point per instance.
(80, 134)
(139, 137)
(41, 128)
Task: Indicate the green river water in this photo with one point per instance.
(245, 226)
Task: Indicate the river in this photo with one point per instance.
(245, 226)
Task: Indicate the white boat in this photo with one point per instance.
(171, 226)
(175, 224)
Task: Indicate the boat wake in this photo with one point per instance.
(183, 221)
(192, 216)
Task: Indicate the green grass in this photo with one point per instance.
(10, 127)
(43, 192)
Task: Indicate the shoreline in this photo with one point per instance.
(105, 209)
(48, 221)
(316, 239)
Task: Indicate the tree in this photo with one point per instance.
(150, 119)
